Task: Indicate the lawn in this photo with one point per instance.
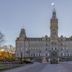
(4, 66)
(10, 65)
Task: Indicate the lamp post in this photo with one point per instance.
(21, 56)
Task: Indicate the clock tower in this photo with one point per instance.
(54, 26)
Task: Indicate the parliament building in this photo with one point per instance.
(43, 46)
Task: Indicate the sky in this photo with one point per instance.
(34, 16)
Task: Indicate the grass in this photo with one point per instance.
(9, 66)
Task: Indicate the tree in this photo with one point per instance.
(1, 38)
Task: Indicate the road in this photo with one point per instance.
(44, 67)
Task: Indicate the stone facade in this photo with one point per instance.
(41, 47)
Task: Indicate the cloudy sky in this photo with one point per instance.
(34, 16)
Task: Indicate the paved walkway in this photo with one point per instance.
(38, 67)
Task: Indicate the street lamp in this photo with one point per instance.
(21, 56)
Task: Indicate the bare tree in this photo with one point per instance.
(1, 38)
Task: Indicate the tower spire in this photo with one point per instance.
(54, 13)
(54, 24)
(23, 33)
(54, 10)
